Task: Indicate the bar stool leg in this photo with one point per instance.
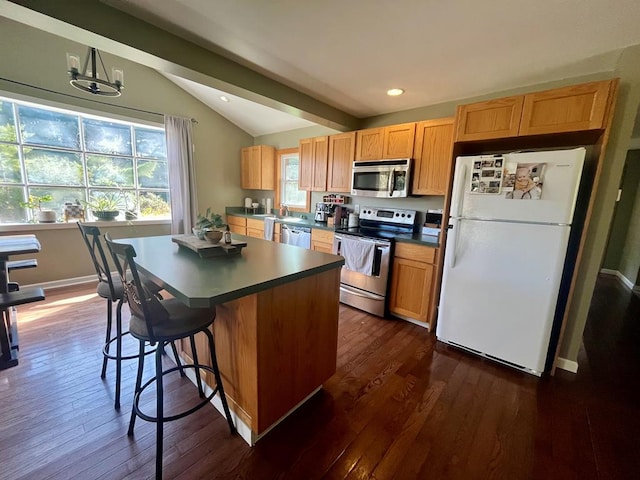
(108, 337)
(118, 351)
(175, 355)
(132, 420)
(159, 413)
(194, 353)
(216, 370)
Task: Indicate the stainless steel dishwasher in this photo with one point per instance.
(298, 236)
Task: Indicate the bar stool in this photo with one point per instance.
(158, 322)
(110, 288)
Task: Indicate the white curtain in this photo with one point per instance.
(182, 183)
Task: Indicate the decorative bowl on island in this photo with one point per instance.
(213, 236)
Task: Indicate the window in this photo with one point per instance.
(69, 157)
(288, 193)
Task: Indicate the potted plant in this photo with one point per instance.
(208, 226)
(44, 215)
(105, 205)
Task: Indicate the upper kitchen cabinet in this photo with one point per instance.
(258, 168)
(492, 119)
(393, 141)
(342, 149)
(432, 156)
(313, 164)
(569, 109)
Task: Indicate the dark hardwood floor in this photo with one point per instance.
(401, 406)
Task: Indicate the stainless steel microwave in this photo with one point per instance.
(381, 178)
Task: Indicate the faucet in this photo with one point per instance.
(284, 211)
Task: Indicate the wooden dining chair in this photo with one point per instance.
(110, 288)
(158, 322)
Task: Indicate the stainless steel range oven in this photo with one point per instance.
(368, 249)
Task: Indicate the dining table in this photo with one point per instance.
(11, 295)
(276, 326)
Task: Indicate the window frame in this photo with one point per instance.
(85, 154)
(280, 154)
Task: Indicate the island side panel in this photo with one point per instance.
(236, 350)
(275, 347)
(297, 342)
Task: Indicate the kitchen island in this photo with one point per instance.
(276, 328)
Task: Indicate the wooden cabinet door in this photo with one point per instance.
(250, 168)
(305, 173)
(267, 155)
(255, 228)
(398, 140)
(258, 168)
(369, 144)
(238, 229)
(568, 109)
(432, 157)
(411, 289)
(237, 224)
(320, 156)
(492, 119)
(321, 240)
(342, 150)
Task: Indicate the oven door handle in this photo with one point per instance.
(359, 293)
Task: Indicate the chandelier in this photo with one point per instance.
(88, 79)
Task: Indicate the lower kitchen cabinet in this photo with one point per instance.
(412, 278)
(251, 227)
(237, 224)
(255, 228)
(321, 240)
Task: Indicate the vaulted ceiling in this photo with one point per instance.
(342, 56)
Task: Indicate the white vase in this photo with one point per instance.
(46, 216)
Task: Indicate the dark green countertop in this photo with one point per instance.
(200, 282)
(306, 220)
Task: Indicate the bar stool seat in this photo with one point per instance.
(159, 322)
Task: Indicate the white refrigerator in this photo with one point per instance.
(509, 226)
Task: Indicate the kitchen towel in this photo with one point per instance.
(268, 228)
(358, 255)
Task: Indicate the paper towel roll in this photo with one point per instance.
(269, 206)
(247, 202)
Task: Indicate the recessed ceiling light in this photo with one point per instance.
(394, 92)
(224, 99)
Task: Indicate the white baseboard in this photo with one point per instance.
(624, 280)
(568, 365)
(66, 282)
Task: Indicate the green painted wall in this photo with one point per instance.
(623, 213)
(630, 255)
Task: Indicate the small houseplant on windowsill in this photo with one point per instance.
(208, 226)
(105, 206)
(44, 215)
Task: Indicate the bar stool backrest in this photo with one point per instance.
(142, 302)
(91, 236)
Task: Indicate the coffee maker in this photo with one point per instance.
(322, 212)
